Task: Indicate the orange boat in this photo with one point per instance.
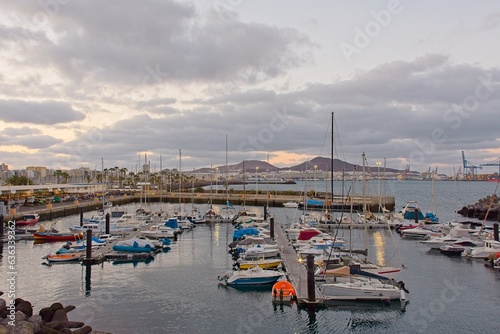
(283, 291)
(69, 257)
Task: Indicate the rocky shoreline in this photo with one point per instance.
(479, 210)
(17, 317)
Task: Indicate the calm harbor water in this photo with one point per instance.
(178, 291)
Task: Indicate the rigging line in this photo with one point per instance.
(339, 141)
(489, 208)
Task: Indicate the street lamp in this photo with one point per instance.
(257, 183)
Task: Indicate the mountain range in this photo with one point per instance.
(320, 163)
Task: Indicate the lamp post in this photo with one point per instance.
(257, 183)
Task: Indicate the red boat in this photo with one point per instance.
(28, 219)
(54, 237)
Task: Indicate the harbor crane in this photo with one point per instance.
(469, 169)
(493, 163)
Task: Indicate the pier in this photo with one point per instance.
(296, 271)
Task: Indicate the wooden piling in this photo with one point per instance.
(495, 231)
(311, 284)
(2, 225)
(271, 227)
(107, 222)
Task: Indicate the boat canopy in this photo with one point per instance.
(238, 234)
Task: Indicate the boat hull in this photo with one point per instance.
(55, 237)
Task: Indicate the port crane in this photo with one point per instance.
(493, 163)
(469, 169)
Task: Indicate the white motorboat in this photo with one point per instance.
(159, 232)
(419, 233)
(489, 247)
(456, 234)
(262, 251)
(100, 227)
(291, 204)
(253, 276)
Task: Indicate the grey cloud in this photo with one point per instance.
(155, 42)
(44, 112)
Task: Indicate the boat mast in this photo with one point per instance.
(180, 181)
(244, 189)
(225, 179)
(364, 204)
(331, 163)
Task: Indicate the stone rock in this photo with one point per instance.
(56, 306)
(46, 313)
(83, 330)
(24, 327)
(37, 322)
(60, 315)
(25, 307)
(65, 331)
(3, 329)
(48, 330)
(3, 303)
(69, 308)
(20, 316)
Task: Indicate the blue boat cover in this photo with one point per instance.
(172, 223)
(238, 234)
(315, 202)
(410, 215)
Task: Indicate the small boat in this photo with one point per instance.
(253, 276)
(263, 263)
(134, 245)
(66, 257)
(482, 252)
(457, 247)
(54, 237)
(291, 204)
(28, 219)
(283, 291)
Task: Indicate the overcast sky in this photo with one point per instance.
(415, 82)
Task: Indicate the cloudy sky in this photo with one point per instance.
(415, 82)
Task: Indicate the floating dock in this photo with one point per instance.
(296, 271)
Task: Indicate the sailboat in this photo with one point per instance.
(348, 281)
(228, 213)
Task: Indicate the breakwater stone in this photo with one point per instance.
(49, 320)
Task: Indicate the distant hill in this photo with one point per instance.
(321, 163)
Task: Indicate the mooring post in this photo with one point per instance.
(265, 212)
(416, 216)
(81, 216)
(88, 247)
(271, 227)
(311, 285)
(107, 223)
(495, 231)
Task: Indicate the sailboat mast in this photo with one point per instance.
(244, 189)
(161, 182)
(180, 180)
(225, 178)
(331, 162)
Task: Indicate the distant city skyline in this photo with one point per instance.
(409, 81)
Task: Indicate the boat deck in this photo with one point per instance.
(296, 271)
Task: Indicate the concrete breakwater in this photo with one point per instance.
(17, 317)
(485, 208)
(53, 211)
